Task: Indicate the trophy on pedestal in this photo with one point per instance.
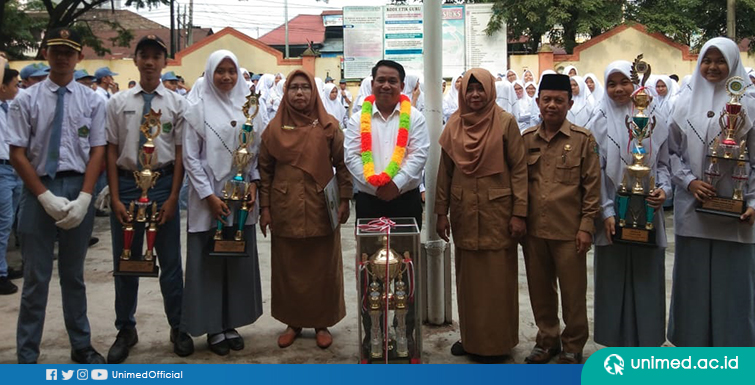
(237, 190)
(635, 215)
(727, 157)
(388, 301)
(143, 210)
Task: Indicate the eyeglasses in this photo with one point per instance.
(304, 88)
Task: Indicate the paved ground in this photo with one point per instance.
(261, 337)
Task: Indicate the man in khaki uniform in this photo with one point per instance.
(564, 198)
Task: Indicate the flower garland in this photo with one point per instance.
(365, 125)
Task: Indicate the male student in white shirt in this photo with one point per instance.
(125, 114)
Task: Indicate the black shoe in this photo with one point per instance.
(183, 345)
(235, 341)
(220, 347)
(87, 356)
(457, 349)
(7, 287)
(93, 241)
(118, 353)
(15, 274)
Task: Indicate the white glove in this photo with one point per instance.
(54, 205)
(77, 210)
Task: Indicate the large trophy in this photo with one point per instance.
(387, 294)
(728, 156)
(146, 213)
(229, 241)
(390, 328)
(635, 215)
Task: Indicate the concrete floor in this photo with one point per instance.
(261, 337)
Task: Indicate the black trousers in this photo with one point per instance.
(407, 205)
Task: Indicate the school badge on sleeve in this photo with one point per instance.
(83, 132)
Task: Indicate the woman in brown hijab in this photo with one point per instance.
(483, 180)
(300, 147)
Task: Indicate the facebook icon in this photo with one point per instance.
(52, 375)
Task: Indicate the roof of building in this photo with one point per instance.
(301, 29)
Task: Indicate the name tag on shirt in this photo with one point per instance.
(534, 149)
(129, 112)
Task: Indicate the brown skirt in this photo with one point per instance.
(488, 299)
(307, 281)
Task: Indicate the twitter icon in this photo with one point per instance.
(67, 374)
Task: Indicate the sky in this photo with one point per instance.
(252, 17)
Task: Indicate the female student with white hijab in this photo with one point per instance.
(365, 90)
(571, 71)
(528, 111)
(713, 296)
(220, 293)
(506, 97)
(596, 89)
(630, 293)
(581, 110)
(664, 91)
(451, 100)
(331, 100)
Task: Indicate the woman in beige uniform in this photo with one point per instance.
(483, 180)
(300, 147)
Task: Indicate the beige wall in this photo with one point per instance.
(325, 65)
(626, 45)
(519, 63)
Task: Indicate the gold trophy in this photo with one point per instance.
(237, 190)
(146, 210)
(637, 183)
(388, 296)
(729, 154)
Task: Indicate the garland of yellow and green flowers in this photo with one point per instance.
(399, 151)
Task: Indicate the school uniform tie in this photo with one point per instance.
(143, 139)
(53, 146)
(4, 106)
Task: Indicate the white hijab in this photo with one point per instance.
(524, 101)
(580, 111)
(524, 73)
(365, 90)
(410, 82)
(249, 83)
(672, 88)
(567, 69)
(265, 85)
(451, 100)
(597, 94)
(506, 97)
(319, 84)
(334, 107)
(506, 78)
(691, 108)
(217, 109)
(609, 127)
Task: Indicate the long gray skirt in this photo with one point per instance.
(220, 293)
(630, 295)
(713, 296)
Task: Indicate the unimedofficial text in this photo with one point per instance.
(146, 374)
